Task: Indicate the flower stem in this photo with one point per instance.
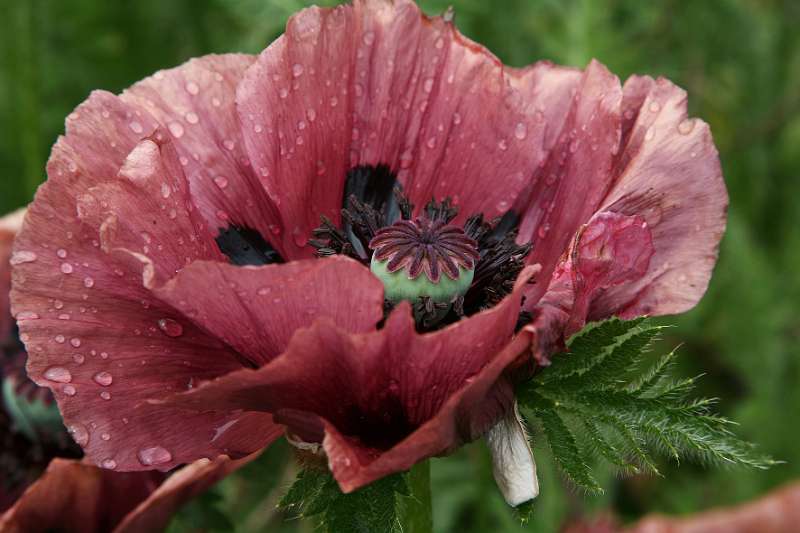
(416, 513)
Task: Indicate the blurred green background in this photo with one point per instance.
(740, 62)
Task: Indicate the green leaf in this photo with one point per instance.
(598, 403)
(385, 505)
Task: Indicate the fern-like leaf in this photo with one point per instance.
(597, 402)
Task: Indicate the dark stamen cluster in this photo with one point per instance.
(427, 245)
(369, 213)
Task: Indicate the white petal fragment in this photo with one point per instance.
(512, 460)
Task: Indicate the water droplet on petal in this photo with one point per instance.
(22, 256)
(62, 253)
(155, 455)
(192, 88)
(79, 358)
(69, 390)
(311, 114)
(297, 70)
(88, 282)
(58, 374)
(427, 86)
(192, 118)
(502, 144)
(75, 342)
(686, 126)
(103, 378)
(170, 327)
(176, 129)
(520, 131)
(221, 182)
(106, 437)
(27, 315)
(79, 433)
(60, 339)
(368, 38)
(66, 268)
(649, 134)
(136, 127)
(105, 395)
(655, 107)
(109, 464)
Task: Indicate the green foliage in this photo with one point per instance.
(375, 507)
(603, 399)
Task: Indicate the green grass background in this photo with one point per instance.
(740, 62)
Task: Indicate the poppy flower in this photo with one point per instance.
(40, 473)
(358, 238)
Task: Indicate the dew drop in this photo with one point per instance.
(258, 128)
(62, 253)
(216, 102)
(176, 129)
(88, 282)
(105, 395)
(221, 182)
(136, 127)
(297, 70)
(170, 327)
(368, 38)
(60, 339)
(69, 390)
(103, 378)
(79, 358)
(106, 437)
(502, 144)
(155, 455)
(79, 433)
(456, 119)
(228, 144)
(22, 256)
(654, 107)
(283, 92)
(649, 134)
(192, 118)
(75, 342)
(58, 374)
(520, 131)
(686, 126)
(109, 464)
(27, 315)
(427, 86)
(66, 268)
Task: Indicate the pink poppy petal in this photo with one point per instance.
(195, 104)
(256, 310)
(384, 399)
(156, 512)
(669, 173)
(380, 83)
(573, 179)
(95, 334)
(76, 497)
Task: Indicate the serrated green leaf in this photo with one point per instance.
(601, 388)
(376, 507)
(586, 347)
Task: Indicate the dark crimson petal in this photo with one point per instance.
(9, 226)
(195, 103)
(388, 398)
(76, 497)
(257, 309)
(380, 83)
(155, 513)
(91, 245)
(669, 173)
